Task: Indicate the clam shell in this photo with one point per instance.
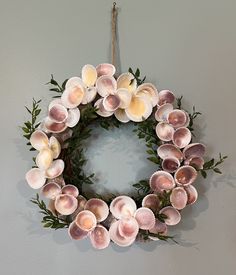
(51, 207)
(54, 127)
(70, 190)
(178, 198)
(139, 109)
(81, 203)
(169, 151)
(177, 118)
(145, 218)
(76, 233)
(159, 228)
(89, 95)
(123, 207)
(86, 220)
(73, 117)
(100, 237)
(182, 137)
(163, 111)
(51, 190)
(196, 162)
(89, 75)
(151, 201)
(55, 101)
(166, 96)
(101, 110)
(192, 194)
(71, 98)
(185, 175)
(164, 131)
(111, 103)
(194, 150)
(120, 115)
(106, 85)
(55, 169)
(44, 158)
(98, 207)
(39, 140)
(148, 90)
(125, 97)
(35, 178)
(173, 215)
(128, 228)
(55, 147)
(73, 82)
(161, 180)
(170, 164)
(65, 204)
(105, 69)
(117, 238)
(58, 113)
(127, 81)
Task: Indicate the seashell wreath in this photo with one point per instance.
(99, 97)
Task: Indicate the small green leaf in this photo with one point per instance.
(203, 173)
(217, 170)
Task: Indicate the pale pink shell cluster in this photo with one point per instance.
(121, 221)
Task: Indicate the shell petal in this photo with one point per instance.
(35, 178)
(194, 150)
(89, 95)
(177, 118)
(51, 190)
(148, 90)
(120, 115)
(39, 140)
(159, 228)
(168, 151)
(128, 228)
(178, 198)
(76, 233)
(44, 158)
(105, 69)
(51, 207)
(55, 146)
(164, 131)
(111, 103)
(70, 190)
(54, 127)
(80, 207)
(55, 169)
(162, 112)
(182, 137)
(173, 215)
(161, 180)
(185, 175)
(100, 237)
(73, 82)
(73, 117)
(98, 207)
(89, 75)
(123, 207)
(65, 204)
(58, 113)
(151, 201)
(145, 218)
(196, 162)
(170, 164)
(166, 96)
(127, 81)
(54, 102)
(125, 97)
(192, 194)
(86, 220)
(106, 85)
(101, 110)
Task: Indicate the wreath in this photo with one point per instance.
(100, 98)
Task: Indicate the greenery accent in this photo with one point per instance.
(145, 234)
(56, 87)
(136, 75)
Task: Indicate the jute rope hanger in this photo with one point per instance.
(113, 22)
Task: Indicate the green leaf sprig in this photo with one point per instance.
(136, 75)
(56, 87)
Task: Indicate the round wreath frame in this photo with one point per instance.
(58, 170)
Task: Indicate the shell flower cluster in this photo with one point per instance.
(121, 221)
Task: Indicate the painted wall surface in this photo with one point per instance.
(186, 46)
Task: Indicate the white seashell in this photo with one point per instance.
(127, 81)
(163, 111)
(166, 96)
(151, 201)
(170, 164)
(54, 127)
(100, 237)
(128, 228)
(58, 113)
(39, 140)
(56, 169)
(70, 190)
(76, 233)
(161, 180)
(35, 178)
(164, 131)
(98, 207)
(89, 75)
(105, 69)
(148, 90)
(89, 95)
(72, 98)
(120, 115)
(101, 110)
(86, 220)
(194, 150)
(185, 175)
(73, 117)
(44, 158)
(178, 198)
(192, 194)
(177, 118)
(51, 190)
(55, 147)
(196, 162)
(182, 137)
(125, 98)
(111, 103)
(145, 218)
(123, 207)
(173, 215)
(65, 204)
(168, 151)
(106, 85)
(74, 82)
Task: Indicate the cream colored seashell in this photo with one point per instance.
(145, 218)
(73, 82)
(178, 198)
(192, 194)
(89, 75)
(73, 117)
(127, 81)
(164, 131)
(101, 110)
(166, 96)
(128, 228)
(151, 201)
(35, 178)
(44, 158)
(185, 175)
(196, 162)
(173, 215)
(111, 103)
(65, 204)
(117, 238)
(120, 115)
(70, 190)
(51, 190)
(139, 109)
(100, 237)
(56, 169)
(182, 137)
(123, 207)
(148, 90)
(55, 147)
(105, 69)
(161, 180)
(98, 207)
(89, 95)
(54, 127)
(125, 97)
(39, 140)
(106, 85)
(170, 164)
(163, 111)
(76, 233)
(86, 220)
(169, 151)
(177, 118)
(159, 228)
(194, 150)
(58, 113)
